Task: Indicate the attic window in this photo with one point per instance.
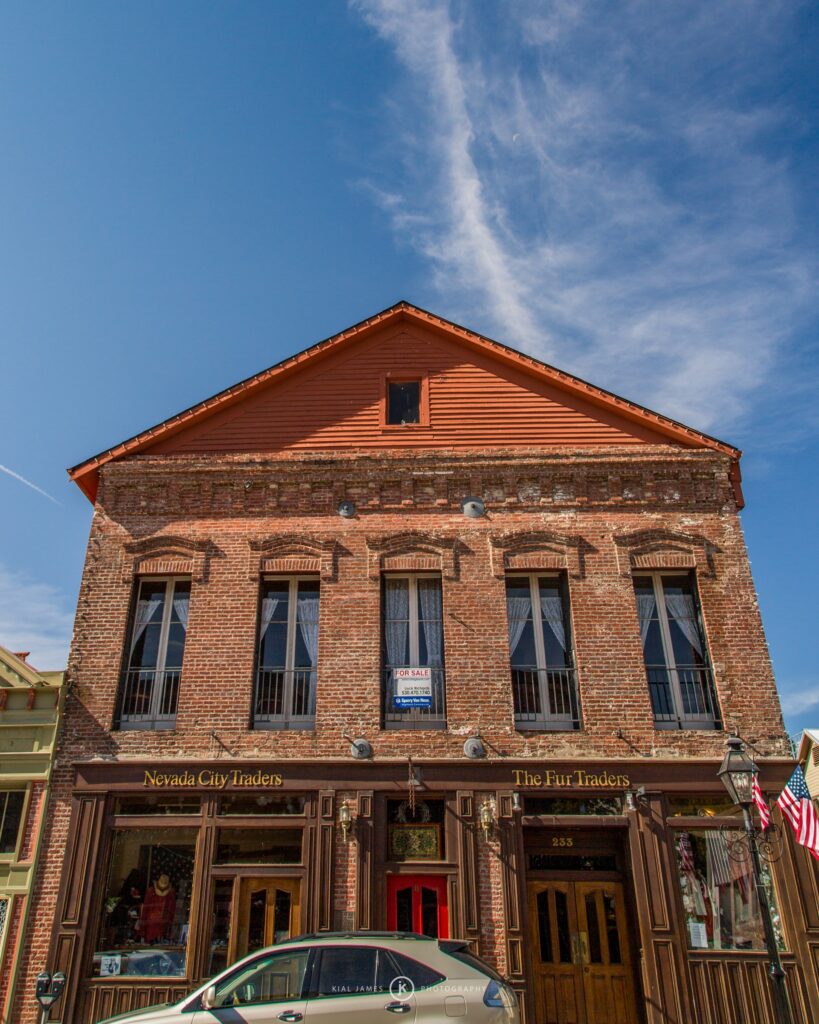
(403, 402)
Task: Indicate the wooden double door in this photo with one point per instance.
(581, 953)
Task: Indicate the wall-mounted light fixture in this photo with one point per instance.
(345, 821)
(486, 817)
(515, 800)
(360, 749)
(636, 798)
(473, 508)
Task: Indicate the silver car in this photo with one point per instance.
(350, 978)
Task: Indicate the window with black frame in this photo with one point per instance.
(150, 688)
(540, 651)
(679, 673)
(413, 643)
(285, 693)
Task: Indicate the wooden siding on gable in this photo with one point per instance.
(474, 401)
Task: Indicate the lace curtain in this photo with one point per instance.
(681, 610)
(429, 595)
(552, 610)
(181, 602)
(307, 614)
(146, 607)
(396, 624)
(518, 610)
(645, 610)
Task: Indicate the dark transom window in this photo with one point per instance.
(403, 402)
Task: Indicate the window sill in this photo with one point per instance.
(547, 726)
(145, 727)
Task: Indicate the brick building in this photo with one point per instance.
(530, 598)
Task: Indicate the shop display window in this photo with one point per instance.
(146, 910)
(261, 803)
(718, 893)
(155, 804)
(416, 830)
(259, 846)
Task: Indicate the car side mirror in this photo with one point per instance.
(209, 998)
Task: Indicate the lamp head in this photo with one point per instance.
(737, 772)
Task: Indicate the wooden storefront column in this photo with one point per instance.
(465, 896)
(320, 854)
(514, 895)
(74, 922)
(364, 877)
(664, 966)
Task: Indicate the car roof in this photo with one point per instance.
(358, 936)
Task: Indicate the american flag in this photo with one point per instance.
(686, 853)
(795, 803)
(762, 807)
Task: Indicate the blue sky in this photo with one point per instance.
(191, 191)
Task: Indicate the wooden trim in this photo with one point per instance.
(365, 863)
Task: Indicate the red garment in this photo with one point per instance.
(157, 914)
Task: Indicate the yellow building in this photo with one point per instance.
(30, 703)
(809, 759)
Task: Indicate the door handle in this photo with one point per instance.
(291, 1015)
(398, 1007)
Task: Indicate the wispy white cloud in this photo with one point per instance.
(28, 483)
(800, 701)
(600, 186)
(35, 617)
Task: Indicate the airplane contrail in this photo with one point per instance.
(28, 483)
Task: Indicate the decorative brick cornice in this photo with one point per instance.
(167, 555)
(657, 479)
(664, 549)
(292, 553)
(412, 551)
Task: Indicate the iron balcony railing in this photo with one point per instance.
(433, 717)
(149, 698)
(683, 697)
(545, 698)
(285, 698)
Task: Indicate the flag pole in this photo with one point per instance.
(782, 1007)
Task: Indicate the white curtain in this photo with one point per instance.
(429, 594)
(552, 609)
(180, 606)
(645, 609)
(307, 614)
(146, 607)
(518, 610)
(269, 605)
(396, 625)
(681, 609)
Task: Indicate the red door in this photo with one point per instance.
(418, 903)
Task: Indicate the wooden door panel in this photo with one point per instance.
(580, 953)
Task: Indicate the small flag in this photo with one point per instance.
(686, 853)
(795, 803)
(762, 807)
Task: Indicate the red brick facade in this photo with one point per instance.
(594, 514)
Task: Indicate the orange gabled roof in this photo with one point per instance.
(86, 473)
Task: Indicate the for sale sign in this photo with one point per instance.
(413, 687)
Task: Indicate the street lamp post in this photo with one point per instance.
(737, 772)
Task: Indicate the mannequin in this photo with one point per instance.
(157, 910)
